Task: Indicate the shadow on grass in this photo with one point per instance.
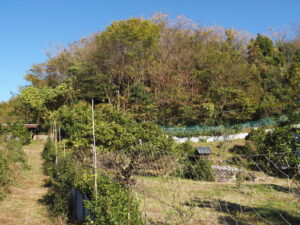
(295, 191)
(47, 183)
(47, 199)
(275, 187)
(245, 215)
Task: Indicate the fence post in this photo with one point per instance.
(55, 141)
(94, 152)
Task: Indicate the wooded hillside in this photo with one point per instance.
(169, 71)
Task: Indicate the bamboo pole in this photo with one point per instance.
(64, 150)
(59, 137)
(55, 141)
(129, 205)
(59, 134)
(94, 152)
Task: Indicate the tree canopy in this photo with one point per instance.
(172, 72)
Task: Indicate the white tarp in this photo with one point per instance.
(218, 138)
(211, 138)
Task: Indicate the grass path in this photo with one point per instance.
(22, 206)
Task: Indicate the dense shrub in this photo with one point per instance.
(62, 179)
(273, 152)
(4, 174)
(112, 203)
(62, 176)
(192, 166)
(16, 153)
(18, 130)
(198, 169)
(48, 156)
(12, 159)
(3, 130)
(185, 148)
(111, 206)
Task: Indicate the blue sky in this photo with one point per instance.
(29, 27)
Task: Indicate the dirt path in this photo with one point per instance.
(21, 206)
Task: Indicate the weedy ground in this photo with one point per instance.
(22, 206)
(172, 200)
(181, 201)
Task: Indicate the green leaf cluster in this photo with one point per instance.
(169, 72)
(273, 152)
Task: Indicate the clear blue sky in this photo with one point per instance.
(30, 27)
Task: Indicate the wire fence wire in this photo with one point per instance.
(167, 196)
(173, 190)
(269, 121)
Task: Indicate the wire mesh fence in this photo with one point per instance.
(269, 121)
(191, 190)
(186, 188)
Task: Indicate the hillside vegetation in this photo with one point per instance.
(145, 73)
(12, 157)
(170, 71)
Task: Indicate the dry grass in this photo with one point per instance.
(172, 200)
(181, 201)
(22, 206)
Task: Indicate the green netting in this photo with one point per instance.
(270, 121)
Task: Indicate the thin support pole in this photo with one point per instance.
(59, 137)
(59, 134)
(94, 152)
(55, 141)
(64, 150)
(129, 206)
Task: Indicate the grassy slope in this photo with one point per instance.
(22, 206)
(193, 202)
(181, 201)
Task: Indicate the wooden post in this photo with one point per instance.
(118, 97)
(59, 134)
(52, 132)
(94, 152)
(55, 141)
(129, 205)
(64, 150)
(59, 137)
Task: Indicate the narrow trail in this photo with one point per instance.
(22, 206)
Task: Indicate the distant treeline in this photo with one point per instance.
(170, 71)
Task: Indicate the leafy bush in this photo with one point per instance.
(62, 180)
(48, 156)
(273, 152)
(16, 153)
(4, 173)
(3, 130)
(185, 148)
(192, 166)
(20, 131)
(62, 177)
(112, 203)
(12, 159)
(198, 169)
(134, 144)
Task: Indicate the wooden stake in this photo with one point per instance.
(59, 134)
(64, 150)
(129, 206)
(94, 152)
(59, 137)
(55, 141)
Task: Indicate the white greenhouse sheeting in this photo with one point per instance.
(211, 138)
(220, 138)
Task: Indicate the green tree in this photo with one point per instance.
(133, 144)
(273, 152)
(37, 104)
